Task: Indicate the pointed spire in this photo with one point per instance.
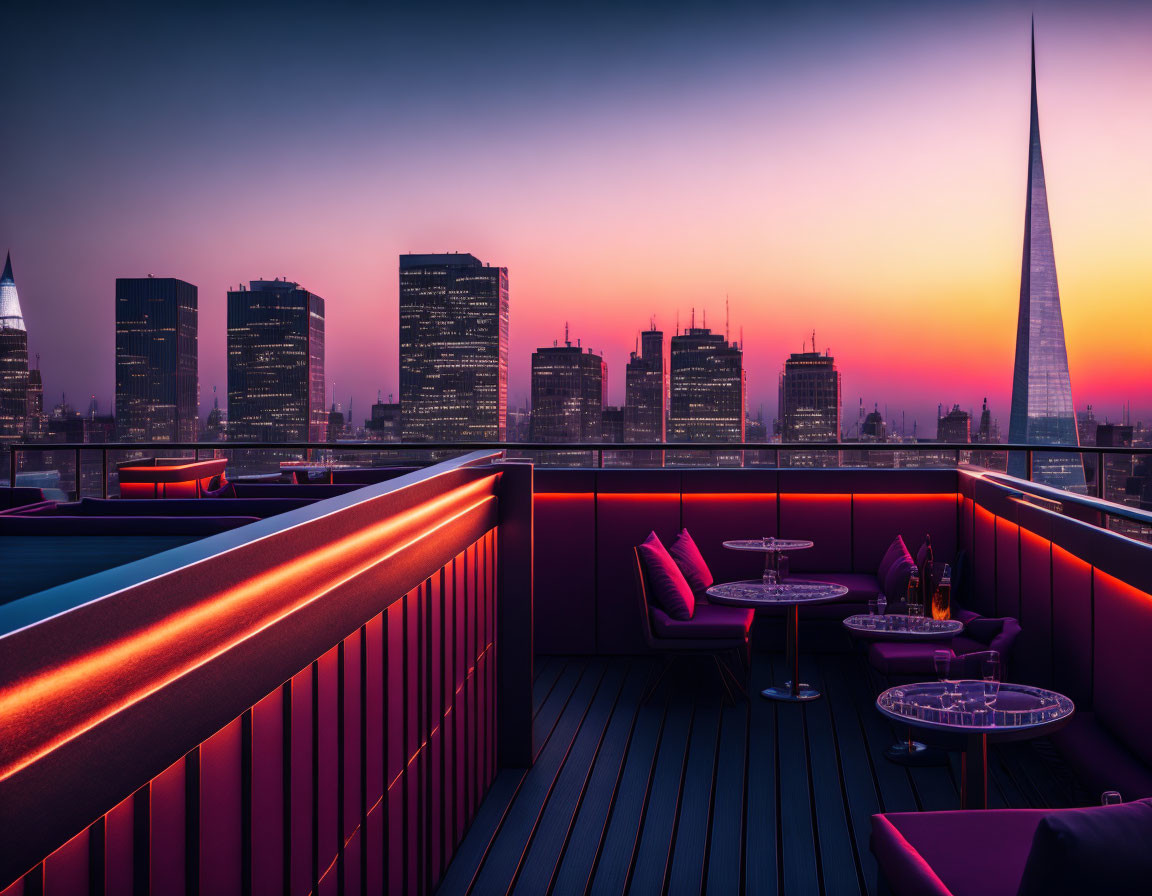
(8, 269)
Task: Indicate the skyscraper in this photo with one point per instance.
(707, 388)
(275, 364)
(810, 406)
(646, 390)
(13, 359)
(34, 425)
(810, 398)
(1042, 410)
(453, 349)
(955, 426)
(157, 391)
(569, 386)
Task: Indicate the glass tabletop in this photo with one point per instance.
(753, 592)
(900, 627)
(768, 545)
(967, 706)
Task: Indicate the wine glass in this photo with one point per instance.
(990, 669)
(942, 660)
(1111, 798)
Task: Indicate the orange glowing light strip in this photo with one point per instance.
(51, 686)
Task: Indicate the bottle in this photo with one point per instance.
(942, 600)
(926, 574)
(913, 593)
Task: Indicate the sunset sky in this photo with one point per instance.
(854, 169)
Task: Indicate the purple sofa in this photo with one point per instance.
(1015, 852)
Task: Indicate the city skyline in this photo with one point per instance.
(748, 239)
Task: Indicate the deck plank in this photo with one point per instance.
(675, 792)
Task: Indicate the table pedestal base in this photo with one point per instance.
(789, 694)
(974, 773)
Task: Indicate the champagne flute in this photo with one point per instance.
(990, 669)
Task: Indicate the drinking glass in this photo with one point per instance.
(1111, 798)
(769, 581)
(881, 603)
(990, 668)
(942, 660)
(872, 612)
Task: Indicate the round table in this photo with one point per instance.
(791, 595)
(1018, 712)
(899, 627)
(772, 549)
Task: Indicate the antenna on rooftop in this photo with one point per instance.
(567, 341)
(726, 318)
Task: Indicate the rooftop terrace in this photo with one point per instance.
(437, 681)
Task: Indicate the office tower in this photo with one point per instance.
(453, 349)
(612, 424)
(646, 390)
(707, 388)
(336, 423)
(13, 359)
(157, 392)
(34, 425)
(955, 426)
(275, 364)
(810, 398)
(569, 386)
(384, 425)
(1042, 410)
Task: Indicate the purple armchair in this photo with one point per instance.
(720, 633)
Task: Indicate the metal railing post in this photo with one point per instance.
(12, 467)
(77, 474)
(1028, 455)
(1100, 475)
(104, 472)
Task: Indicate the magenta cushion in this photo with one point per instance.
(896, 582)
(708, 622)
(669, 589)
(895, 551)
(691, 563)
(1103, 849)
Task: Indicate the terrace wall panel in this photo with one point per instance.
(66, 870)
(1032, 662)
(1123, 662)
(220, 834)
(720, 505)
(1007, 568)
(1072, 626)
(826, 520)
(877, 519)
(982, 598)
(565, 572)
(267, 795)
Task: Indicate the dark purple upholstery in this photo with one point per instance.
(862, 586)
(895, 551)
(896, 581)
(120, 525)
(709, 621)
(973, 853)
(691, 563)
(1100, 759)
(227, 490)
(667, 586)
(1103, 849)
(916, 659)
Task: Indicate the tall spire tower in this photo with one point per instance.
(13, 359)
(1042, 409)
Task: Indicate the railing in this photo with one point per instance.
(97, 478)
(314, 702)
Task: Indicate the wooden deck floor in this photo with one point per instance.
(683, 794)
